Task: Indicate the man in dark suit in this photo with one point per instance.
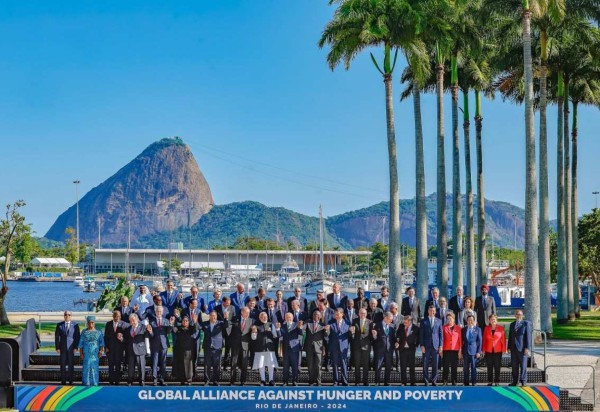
(432, 342)
(171, 298)
(314, 305)
(471, 350)
(361, 347)
(239, 339)
(280, 304)
(303, 303)
(194, 294)
(261, 299)
(338, 331)
(124, 308)
(520, 335)
(227, 311)
(254, 310)
(159, 345)
(384, 301)
(150, 312)
(411, 307)
(442, 311)
(297, 313)
(239, 298)
(213, 344)
(384, 340)
(457, 301)
(485, 305)
(435, 298)
(135, 337)
(66, 341)
(327, 315)
(313, 345)
(190, 311)
(374, 314)
(360, 301)
(114, 346)
(290, 334)
(336, 299)
(407, 341)
(350, 313)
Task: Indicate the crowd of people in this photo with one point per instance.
(334, 332)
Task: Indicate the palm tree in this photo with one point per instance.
(470, 233)
(391, 24)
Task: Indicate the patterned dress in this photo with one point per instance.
(91, 341)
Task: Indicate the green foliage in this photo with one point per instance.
(25, 248)
(111, 298)
(379, 257)
(71, 245)
(589, 246)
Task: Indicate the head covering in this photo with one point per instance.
(320, 291)
(484, 287)
(91, 318)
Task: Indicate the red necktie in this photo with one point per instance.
(243, 323)
(133, 332)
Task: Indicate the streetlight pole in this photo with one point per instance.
(515, 222)
(76, 182)
(595, 193)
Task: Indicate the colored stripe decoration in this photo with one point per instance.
(531, 398)
(53, 398)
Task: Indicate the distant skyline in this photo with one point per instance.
(86, 86)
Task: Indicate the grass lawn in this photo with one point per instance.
(585, 328)
(12, 331)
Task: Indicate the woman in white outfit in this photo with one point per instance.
(262, 334)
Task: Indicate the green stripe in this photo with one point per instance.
(82, 395)
(72, 392)
(515, 397)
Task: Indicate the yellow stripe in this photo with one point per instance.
(536, 397)
(56, 397)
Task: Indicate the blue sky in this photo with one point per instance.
(87, 85)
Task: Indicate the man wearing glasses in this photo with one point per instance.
(66, 342)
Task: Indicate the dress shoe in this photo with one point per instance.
(161, 383)
(128, 383)
(262, 383)
(271, 383)
(142, 384)
(522, 384)
(433, 384)
(426, 383)
(154, 383)
(496, 384)
(512, 384)
(294, 383)
(490, 384)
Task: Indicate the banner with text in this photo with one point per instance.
(248, 398)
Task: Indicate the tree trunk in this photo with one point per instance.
(544, 251)
(394, 241)
(562, 310)
(481, 235)
(532, 286)
(442, 220)
(567, 199)
(421, 236)
(470, 238)
(457, 250)
(575, 216)
(3, 314)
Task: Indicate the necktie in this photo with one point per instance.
(387, 330)
(133, 332)
(289, 326)
(362, 326)
(270, 316)
(407, 330)
(296, 317)
(243, 323)
(484, 301)
(159, 323)
(115, 326)
(459, 302)
(68, 324)
(340, 326)
(469, 334)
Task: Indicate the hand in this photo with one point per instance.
(352, 329)
(327, 327)
(180, 296)
(440, 350)
(177, 313)
(423, 349)
(374, 333)
(526, 352)
(172, 320)
(300, 324)
(460, 355)
(478, 356)
(136, 307)
(194, 318)
(149, 328)
(58, 350)
(396, 345)
(253, 329)
(120, 337)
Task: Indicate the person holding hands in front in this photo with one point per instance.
(494, 345)
(472, 351)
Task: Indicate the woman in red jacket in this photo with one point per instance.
(452, 347)
(494, 345)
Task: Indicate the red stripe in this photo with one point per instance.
(41, 397)
(550, 396)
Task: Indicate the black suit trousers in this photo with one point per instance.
(212, 365)
(450, 364)
(494, 363)
(385, 358)
(239, 358)
(360, 358)
(115, 358)
(66, 366)
(407, 360)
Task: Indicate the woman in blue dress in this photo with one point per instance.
(91, 346)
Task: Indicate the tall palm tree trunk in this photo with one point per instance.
(575, 215)
(442, 220)
(544, 251)
(532, 286)
(567, 199)
(457, 250)
(481, 235)
(562, 310)
(394, 241)
(421, 235)
(470, 238)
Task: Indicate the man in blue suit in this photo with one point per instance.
(471, 350)
(519, 346)
(384, 340)
(171, 298)
(194, 294)
(291, 344)
(213, 345)
(432, 342)
(159, 345)
(239, 298)
(66, 341)
(339, 333)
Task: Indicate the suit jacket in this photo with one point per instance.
(384, 342)
(213, 339)
(136, 345)
(66, 339)
(362, 339)
(125, 311)
(265, 339)
(462, 316)
(361, 303)
(212, 305)
(338, 337)
(274, 316)
(328, 315)
(431, 335)
(484, 311)
(519, 338)
(261, 304)
(415, 310)
(303, 303)
(111, 342)
(160, 335)
(314, 338)
(397, 320)
(455, 306)
(188, 312)
(150, 313)
(238, 336)
(169, 301)
(494, 342)
(350, 317)
(375, 315)
(472, 344)
(452, 337)
(387, 304)
(441, 314)
(282, 307)
(221, 311)
(412, 339)
(291, 338)
(435, 303)
(238, 302)
(300, 316)
(341, 303)
(186, 302)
